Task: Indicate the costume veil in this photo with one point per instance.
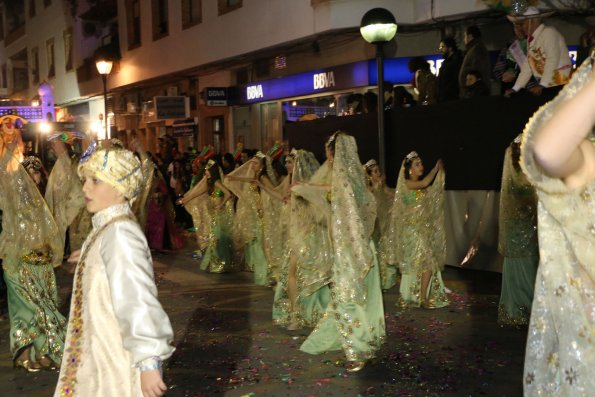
(353, 212)
(28, 224)
(424, 210)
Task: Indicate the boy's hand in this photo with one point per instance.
(151, 383)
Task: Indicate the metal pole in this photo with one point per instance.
(380, 74)
(104, 78)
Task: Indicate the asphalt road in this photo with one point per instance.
(227, 345)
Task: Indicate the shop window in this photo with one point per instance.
(191, 13)
(20, 71)
(50, 57)
(160, 19)
(68, 44)
(226, 6)
(31, 8)
(133, 23)
(35, 65)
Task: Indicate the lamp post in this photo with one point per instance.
(378, 27)
(104, 67)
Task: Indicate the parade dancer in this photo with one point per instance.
(517, 241)
(558, 157)
(118, 333)
(415, 240)
(354, 318)
(30, 246)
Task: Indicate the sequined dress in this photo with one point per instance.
(248, 224)
(517, 243)
(560, 355)
(115, 319)
(354, 319)
(30, 245)
(388, 272)
(308, 249)
(218, 255)
(416, 242)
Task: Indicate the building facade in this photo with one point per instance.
(210, 57)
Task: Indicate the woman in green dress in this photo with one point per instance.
(415, 240)
(383, 195)
(558, 158)
(298, 301)
(30, 246)
(517, 240)
(218, 253)
(248, 220)
(354, 319)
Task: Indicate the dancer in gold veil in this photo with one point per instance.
(248, 221)
(558, 157)
(383, 195)
(30, 245)
(415, 240)
(517, 240)
(306, 251)
(354, 319)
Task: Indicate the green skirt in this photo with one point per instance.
(516, 297)
(410, 291)
(256, 259)
(358, 330)
(218, 256)
(33, 309)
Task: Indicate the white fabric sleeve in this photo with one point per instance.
(523, 77)
(145, 327)
(551, 47)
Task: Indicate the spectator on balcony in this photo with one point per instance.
(475, 86)
(448, 77)
(509, 62)
(402, 98)
(476, 57)
(547, 53)
(370, 102)
(425, 83)
(355, 104)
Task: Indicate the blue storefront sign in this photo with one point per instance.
(322, 80)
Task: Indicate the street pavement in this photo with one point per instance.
(227, 345)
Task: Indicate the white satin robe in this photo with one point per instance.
(115, 318)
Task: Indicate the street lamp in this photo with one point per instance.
(378, 27)
(104, 67)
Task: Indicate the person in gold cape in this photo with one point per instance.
(383, 195)
(218, 253)
(517, 241)
(558, 157)
(354, 319)
(30, 246)
(298, 300)
(415, 239)
(248, 221)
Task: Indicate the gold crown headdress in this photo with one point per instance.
(210, 163)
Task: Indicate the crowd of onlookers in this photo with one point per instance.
(537, 58)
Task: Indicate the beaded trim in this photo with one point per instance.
(73, 360)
